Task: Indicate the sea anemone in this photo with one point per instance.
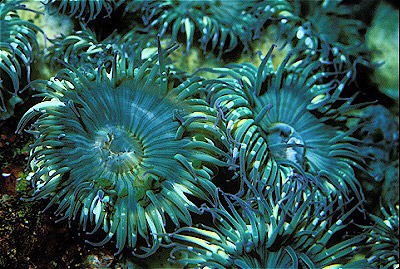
(384, 238)
(221, 24)
(291, 232)
(283, 114)
(327, 29)
(378, 130)
(17, 45)
(78, 49)
(82, 48)
(86, 10)
(122, 148)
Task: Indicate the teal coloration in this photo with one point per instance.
(238, 165)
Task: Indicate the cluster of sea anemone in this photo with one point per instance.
(241, 165)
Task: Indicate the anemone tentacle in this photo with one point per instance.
(107, 150)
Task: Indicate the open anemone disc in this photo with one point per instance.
(271, 114)
(115, 149)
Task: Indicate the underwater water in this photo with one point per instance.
(192, 134)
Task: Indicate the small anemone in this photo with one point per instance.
(221, 24)
(283, 114)
(17, 46)
(259, 234)
(327, 29)
(86, 10)
(82, 48)
(122, 148)
(384, 239)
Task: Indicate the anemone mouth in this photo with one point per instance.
(286, 143)
(118, 150)
(120, 153)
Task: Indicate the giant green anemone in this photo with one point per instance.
(283, 114)
(123, 149)
(17, 45)
(291, 232)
